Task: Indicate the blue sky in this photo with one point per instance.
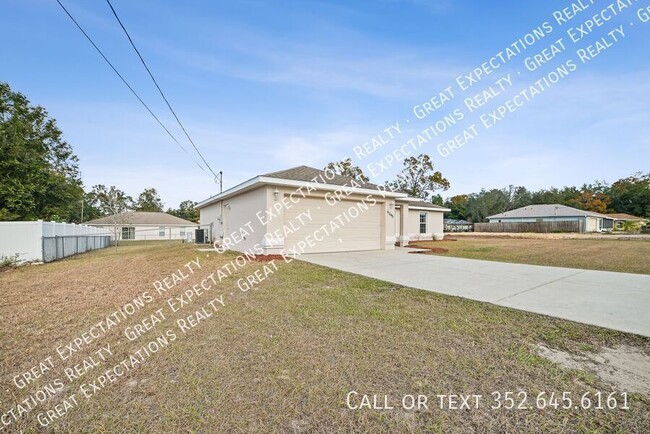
(263, 86)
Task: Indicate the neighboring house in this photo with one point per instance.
(589, 221)
(453, 225)
(620, 219)
(307, 210)
(140, 225)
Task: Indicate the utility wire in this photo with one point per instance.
(127, 84)
(162, 94)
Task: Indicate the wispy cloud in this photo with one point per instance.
(396, 75)
(432, 6)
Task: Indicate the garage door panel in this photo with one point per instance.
(360, 233)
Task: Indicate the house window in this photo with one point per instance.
(182, 232)
(423, 222)
(128, 233)
(161, 231)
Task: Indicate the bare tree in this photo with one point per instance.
(418, 179)
(114, 203)
(346, 168)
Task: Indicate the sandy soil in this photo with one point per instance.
(625, 367)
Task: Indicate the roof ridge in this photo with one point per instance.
(286, 170)
(167, 218)
(547, 206)
(290, 174)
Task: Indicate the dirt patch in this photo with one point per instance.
(268, 258)
(626, 367)
(427, 250)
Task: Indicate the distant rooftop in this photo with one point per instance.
(142, 218)
(547, 210)
(623, 216)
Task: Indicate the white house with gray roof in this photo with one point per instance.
(146, 226)
(307, 210)
(590, 221)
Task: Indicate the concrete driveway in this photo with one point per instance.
(619, 301)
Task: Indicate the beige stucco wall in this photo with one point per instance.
(592, 224)
(435, 225)
(239, 225)
(208, 215)
(241, 211)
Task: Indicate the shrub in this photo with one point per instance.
(8, 261)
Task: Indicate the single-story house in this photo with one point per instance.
(621, 218)
(455, 225)
(589, 221)
(141, 225)
(307, 210)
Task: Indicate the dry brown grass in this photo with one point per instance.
(628, 256)
(282, 357)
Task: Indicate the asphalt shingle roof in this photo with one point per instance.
(548, 210)
(308, 174)
(142, 218)
(623, 216)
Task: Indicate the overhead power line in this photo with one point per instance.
(162, 94)
(126, 83)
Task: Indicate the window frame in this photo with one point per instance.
(425, 223)
(130, 232)
(161, 231)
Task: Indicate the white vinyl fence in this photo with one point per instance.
(41, 241)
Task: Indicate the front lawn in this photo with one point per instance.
(629, 256)
(284, 355)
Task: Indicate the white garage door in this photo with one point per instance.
(360, 233)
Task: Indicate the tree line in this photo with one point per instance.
(40, 177)
(103, 201)
(630, 195)
(418, 178)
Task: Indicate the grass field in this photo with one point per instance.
(629, 256)
(283, 356)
